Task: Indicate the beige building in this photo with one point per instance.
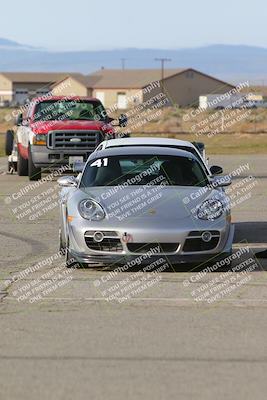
(182, 87)
(117, 89)
(17, 87)
(123, 88)
(74, 85)
(185, 87)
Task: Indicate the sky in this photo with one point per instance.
(108, 24)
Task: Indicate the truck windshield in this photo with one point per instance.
(69, 110)
(142, 170)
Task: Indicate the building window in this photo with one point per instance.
(21, 91)
(42, 91)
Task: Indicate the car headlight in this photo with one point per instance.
(90, 209)
(39, 140)
(211, 209)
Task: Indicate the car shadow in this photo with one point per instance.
(251, 232)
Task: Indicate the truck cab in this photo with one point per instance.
(58, 131)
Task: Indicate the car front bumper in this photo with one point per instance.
(79, 249)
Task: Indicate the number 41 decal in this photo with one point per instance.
(101, 162)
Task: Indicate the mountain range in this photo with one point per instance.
(228, 62)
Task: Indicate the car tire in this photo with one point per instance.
(9, 142)
(70, 262)
(34, 173)
(22, 165)
(62, 247)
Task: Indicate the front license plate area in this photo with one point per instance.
(75, 159)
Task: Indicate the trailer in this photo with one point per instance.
(222, 101)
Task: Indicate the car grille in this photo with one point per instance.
(145, 247)
(194, 241)
(110, 243)
(71, 139)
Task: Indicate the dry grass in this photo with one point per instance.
(175, 120)
(2, 144)
(247, 136)
(226, 143)
(4, 125)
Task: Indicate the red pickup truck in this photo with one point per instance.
(58, 131)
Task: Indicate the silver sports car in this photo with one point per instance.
(136, 201)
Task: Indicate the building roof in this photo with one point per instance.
(86, 80)
(39, 77)
(130, 78)
(102, 79)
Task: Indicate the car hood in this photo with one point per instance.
(44, 127)
(165, 203)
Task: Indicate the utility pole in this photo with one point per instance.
(162, 61)
(123, 63)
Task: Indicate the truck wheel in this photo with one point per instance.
(22, 165)
(9, 142)
(12, 167)
(9, 167)
(34, 173)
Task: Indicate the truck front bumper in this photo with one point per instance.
(43, 157)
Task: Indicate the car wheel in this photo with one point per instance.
(62, 247)
(9, 142)
(34, 173)
(22, 165)
(70, 261)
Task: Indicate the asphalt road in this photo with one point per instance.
(164, 343)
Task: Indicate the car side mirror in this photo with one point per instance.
(19, 119)
(200, 146)
(216, 170)
(123, 120)
(67, 181)
(108, 119)
(221, 181)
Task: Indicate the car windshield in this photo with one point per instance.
(130, 170)
(69, 110)
(186, 148)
